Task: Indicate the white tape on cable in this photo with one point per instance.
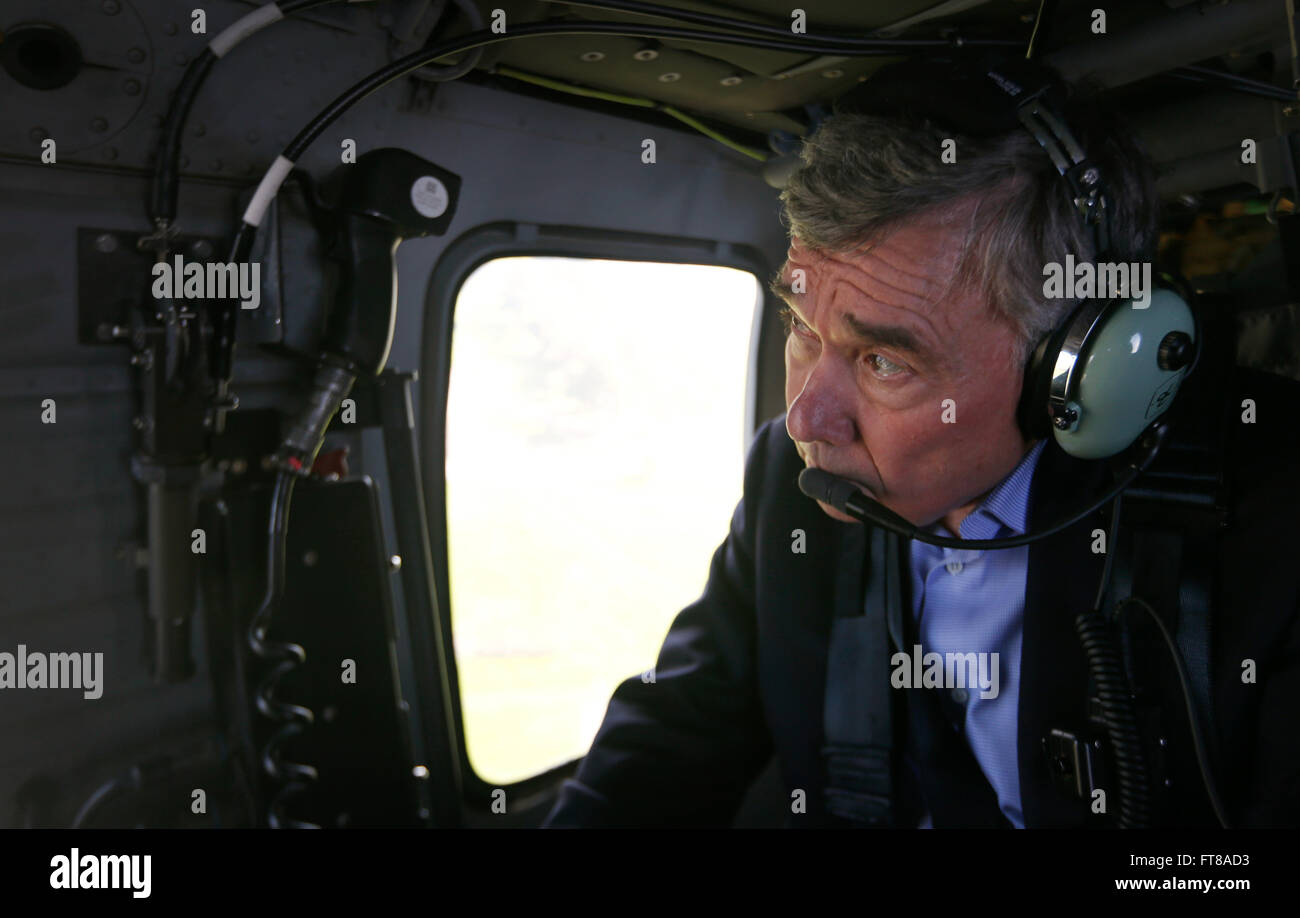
(255, 21)
(267, 190)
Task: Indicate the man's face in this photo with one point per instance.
(880, 340)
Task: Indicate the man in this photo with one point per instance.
(914, 296)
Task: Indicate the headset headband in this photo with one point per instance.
(1087, 188)
(981, 95)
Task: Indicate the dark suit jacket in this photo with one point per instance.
(741, 675)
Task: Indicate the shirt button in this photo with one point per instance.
(954, 567)
(959, 695)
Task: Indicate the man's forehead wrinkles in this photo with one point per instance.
(890, 264)
(842, 279)
(882, 270)
(843, 292)
(881, 289)
(869, 285)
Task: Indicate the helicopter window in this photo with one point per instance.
(594, 455)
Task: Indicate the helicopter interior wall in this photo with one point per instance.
(70, 512)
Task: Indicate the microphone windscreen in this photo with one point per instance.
(836, 491)
(821, 485)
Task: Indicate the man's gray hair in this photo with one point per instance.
(863, 175)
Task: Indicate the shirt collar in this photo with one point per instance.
(1007, 505)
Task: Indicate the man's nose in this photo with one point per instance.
(824, 409)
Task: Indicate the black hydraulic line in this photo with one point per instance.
(166, 175)
(166, 178)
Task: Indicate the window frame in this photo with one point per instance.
(462, 257)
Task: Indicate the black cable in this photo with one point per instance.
(166, 179)
(1233, 82)
(1112, 539)
(843, 39)
(293, 777)
(166, 175)
(1120, 718)
(1235, 79)
(1198, 741)
(105, 791)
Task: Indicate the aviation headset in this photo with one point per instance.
(1110, 369)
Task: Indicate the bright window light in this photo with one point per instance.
(595, 431)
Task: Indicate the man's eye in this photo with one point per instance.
(792, 321)
(883, 366)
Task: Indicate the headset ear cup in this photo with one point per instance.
(1032, 423)
(1035, 423)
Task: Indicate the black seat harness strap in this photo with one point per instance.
(858, 720)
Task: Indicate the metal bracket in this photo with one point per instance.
(1072, 761)
(113, 276)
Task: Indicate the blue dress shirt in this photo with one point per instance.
(974, 602)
